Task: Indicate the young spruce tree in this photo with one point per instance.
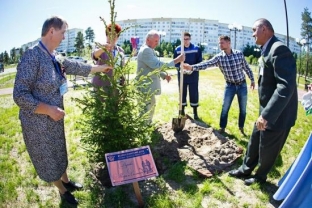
(113, 118)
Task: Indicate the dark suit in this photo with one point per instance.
(278, 105)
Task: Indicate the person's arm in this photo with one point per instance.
(175, 55)
(100, 68)
(98, 51)
(204, 65)
(25, 80)
(248, 71)
(149, 58)
(54, 112)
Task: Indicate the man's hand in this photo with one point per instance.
(261, 123)
(168, 78)
(101, 68)
(187, 67)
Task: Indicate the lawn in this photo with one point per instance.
(21, 187)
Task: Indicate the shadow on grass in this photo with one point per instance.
(270, 189)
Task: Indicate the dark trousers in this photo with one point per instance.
(193, 93)
(263, 149)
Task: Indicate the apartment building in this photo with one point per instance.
(68, 44)
(203, 31)
(30, 44)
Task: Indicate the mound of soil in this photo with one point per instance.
(203, 148)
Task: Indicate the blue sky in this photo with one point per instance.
(21, 20)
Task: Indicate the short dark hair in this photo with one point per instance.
(53, 21)
(117, 29)
(187, 34)
(225, 37)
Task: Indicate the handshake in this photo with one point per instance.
(187, 69)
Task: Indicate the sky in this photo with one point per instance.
(21, 20)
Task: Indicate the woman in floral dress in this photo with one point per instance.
(40, 84)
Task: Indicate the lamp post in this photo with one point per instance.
(235, 27)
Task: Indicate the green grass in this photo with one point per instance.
(180, 187)
(7, 80)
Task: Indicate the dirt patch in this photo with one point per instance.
(202, 148)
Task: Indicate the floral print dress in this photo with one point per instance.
(36, 81)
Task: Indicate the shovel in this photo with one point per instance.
(179, 123)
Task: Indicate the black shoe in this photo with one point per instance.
(251, 181)
(221, 130)
(242, 131)
(238, 174)
(183, 111)
(69, 198)
(196, 117)
(72, 185)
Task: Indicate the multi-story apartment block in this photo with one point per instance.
(30, 44)
(203, 31)
(67, 45)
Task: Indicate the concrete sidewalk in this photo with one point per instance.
(170, 87)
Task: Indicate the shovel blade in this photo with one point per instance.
(178, 124)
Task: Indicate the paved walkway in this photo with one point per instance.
(170, 87)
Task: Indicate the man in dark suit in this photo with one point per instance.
(278, 99)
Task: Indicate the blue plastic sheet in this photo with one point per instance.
(295, 186)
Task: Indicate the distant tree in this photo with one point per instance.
(201, 47)
(170, 47)
(90, 36)
(251, 50)
(176, 43)
(6, 57)
(21, 52)
(127, 47)
(306, 25)
(13, 55)
(1, 57)
(306, 32)
(79, 43)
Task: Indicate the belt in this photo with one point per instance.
(236, 83)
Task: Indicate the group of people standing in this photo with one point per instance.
(41, 83)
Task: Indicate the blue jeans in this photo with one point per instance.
(229, 93)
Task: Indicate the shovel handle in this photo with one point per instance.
(181, 73)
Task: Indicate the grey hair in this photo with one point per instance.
(151, 33)
(266, 23)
